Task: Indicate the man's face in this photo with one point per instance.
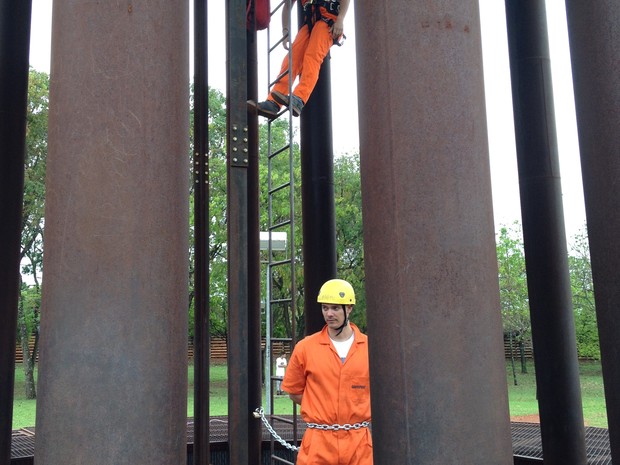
(334, 315)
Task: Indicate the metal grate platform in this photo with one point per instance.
(526, 441)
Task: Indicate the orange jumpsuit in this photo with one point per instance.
(333, 393)
(309, 49)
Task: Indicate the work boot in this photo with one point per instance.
(268, 109)
(295, 104)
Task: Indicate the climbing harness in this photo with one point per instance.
(312, 14)
(260, 413)
(332, 6)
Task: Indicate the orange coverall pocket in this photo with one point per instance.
(360, 390)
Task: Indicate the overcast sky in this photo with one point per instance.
(497, 86)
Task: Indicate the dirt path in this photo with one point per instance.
(526, 418)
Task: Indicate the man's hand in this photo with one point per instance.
(337, 28)
(296, 398)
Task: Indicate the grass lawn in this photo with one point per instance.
(522, 397)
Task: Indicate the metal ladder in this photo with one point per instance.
(280, 286)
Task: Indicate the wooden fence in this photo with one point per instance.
(219, 349)
(529, 351)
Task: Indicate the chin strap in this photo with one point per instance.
(346, 320)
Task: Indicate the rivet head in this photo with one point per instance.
(235, 160)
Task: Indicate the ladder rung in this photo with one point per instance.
(280, 150)
(281, 339)
(271, 49)
(279, 76)
(277, 7)
(280, 301)
(279, 225)
(279, 188)
(281, 262)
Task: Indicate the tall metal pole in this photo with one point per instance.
(201, 451)
(594, 35)
(317, 196)
(549, 290)
(113, 371)
(14, 48)
(431, 270)
(254, 275)
(239, 409)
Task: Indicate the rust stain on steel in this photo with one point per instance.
(431, 271)
(114, 333)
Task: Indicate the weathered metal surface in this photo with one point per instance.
(594, 35)
(239, 409)
(549, 290)
(113, 372)
(201, 453)
(431, 272)
(14, 45)
(255, 372)
(317, 196)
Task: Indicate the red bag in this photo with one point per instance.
(262, 15)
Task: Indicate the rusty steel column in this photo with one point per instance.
(255, 369)
(594, 35)
(317, 197)
(438, 379)
(239, 408)
(544, 236)
(201, 451)
(113, 371)
(14, 45)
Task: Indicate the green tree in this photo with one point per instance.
(583, 298)
(217, 211)
(33, 220)
(349, 230)
(513, 288)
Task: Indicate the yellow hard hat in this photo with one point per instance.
(336, 291)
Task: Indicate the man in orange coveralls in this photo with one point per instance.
(328, 375)
(323, 26)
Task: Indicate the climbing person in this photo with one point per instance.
(328, 375)
(323, 27)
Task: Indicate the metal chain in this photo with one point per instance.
(337, 427)
(259, 413)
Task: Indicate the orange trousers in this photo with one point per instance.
(309, 49)
(319, 447)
